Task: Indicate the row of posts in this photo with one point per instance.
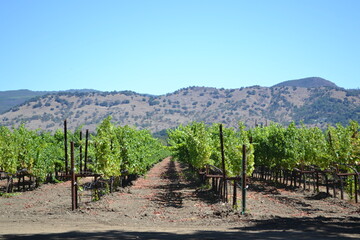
(80, 149)
(319, 177)
(72, 174)
(243, 177)
(74, 188)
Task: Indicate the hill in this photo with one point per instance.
(314, 106)
(311, 82)
(9, 99)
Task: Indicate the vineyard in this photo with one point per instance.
(29, 158)
(293, 155)
(118, 175)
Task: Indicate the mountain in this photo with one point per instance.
(317, 106)
(9, 99)
(311, 82)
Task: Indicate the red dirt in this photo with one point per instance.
(171, 203)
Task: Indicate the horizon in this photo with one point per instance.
(158, 47)
(123, 90)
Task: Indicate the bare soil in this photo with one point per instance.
(170, 202)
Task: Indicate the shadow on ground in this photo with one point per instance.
(278, 228)
(329, 226)
(171, 196)
(189, 181)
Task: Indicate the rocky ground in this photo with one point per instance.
(171, 203)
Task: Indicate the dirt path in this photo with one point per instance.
(169, 203)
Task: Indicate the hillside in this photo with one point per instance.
(311, 82)
(314, 106)
(9, 99)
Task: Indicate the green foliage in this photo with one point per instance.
(38, 153)
(118, 150)
(9, 195)
(327, 109)
(199, 145)
(115, 150)
(124, 149)
(8, 160)
(274, 146)
(280, 147)
(344, 143)
(192, 144)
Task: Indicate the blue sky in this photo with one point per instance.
(159, 46)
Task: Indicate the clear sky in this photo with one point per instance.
(159, 46)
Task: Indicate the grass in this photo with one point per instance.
(9, 195)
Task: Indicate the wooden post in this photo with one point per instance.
(356, 186)
(80, 153)
(73, 180)
(221, 186)
(327, 183)
(341, 187)
(234, 195)
(334, 185)
(223, 163)
(317, 181)
(65, 148)
(243, 178)
(86, 149)
(19, 182)
(314, 181)
(304, 180)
